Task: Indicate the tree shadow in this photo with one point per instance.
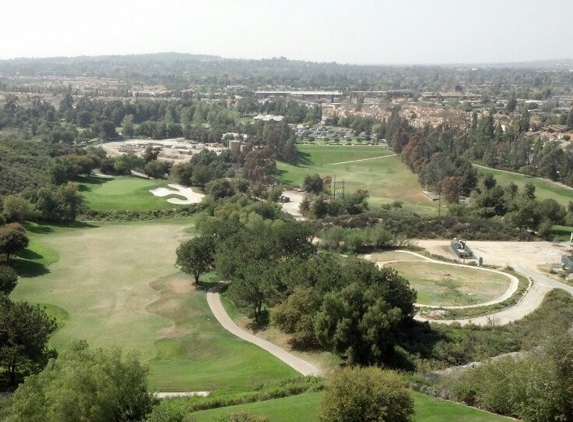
(28, 254)
(74, 225)
(417, 339)
(262, 324)
(26, 268)
(48, 227)
(303, 158)
(206, 286)
(38, 229)
(93, 180)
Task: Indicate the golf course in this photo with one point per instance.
(117, 284)
(114, 283)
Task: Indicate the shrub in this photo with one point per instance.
(366, 394)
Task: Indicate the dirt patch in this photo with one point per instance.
(292, 207)
(173, 291)
(499, 254)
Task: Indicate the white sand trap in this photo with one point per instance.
(191, 197)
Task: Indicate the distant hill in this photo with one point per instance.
(201, 72)
(563, 64)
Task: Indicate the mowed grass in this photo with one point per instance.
(385, 177)
(544, 189)
(117, 284)
(306, 407)
(124, 193)
(448, 285)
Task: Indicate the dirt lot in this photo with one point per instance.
(292, 206)
(535, 255)
(177, 150)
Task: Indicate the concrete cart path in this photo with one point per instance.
(298, 364)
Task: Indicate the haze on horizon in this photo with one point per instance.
(358, 32)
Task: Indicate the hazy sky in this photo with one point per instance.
(357, 31)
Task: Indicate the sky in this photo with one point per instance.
(357, 31)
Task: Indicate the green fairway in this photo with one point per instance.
(116, 284)
(305, 408)
(124, 193)
(384, 175)
(544, 189)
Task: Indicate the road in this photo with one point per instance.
(523, 257)
(298, 364)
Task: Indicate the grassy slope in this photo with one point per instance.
(543, 188)
(124, 193)
(116, 284)
(386, 179)
(440, 284)
(305, 408)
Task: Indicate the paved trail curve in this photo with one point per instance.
(298, 364)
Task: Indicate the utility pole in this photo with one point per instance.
(334, 187)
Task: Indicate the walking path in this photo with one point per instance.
(523, 257)
(363, 159)
(298, 364)
(524, 175)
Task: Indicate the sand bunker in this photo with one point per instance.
(191, 197)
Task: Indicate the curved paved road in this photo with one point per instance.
(512, 288)
(541, 285)
(298, 364)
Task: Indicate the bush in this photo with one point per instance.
(366, 394)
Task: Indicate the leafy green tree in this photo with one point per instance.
(526, 215)
(13, 239)
(529, 191)
(182, 173)
(295, 315)
(196, 256)
(511, 102)
(106, 130)
(358, 324)
(294, 239)
(202, 174)
(124, 163)
(85, 384)
(24, 332)
(8, 279)
(250, 290)
(552, 211)
(313, 184)
(569, 121)
(220, 188)
(366, 395)
(127, 127)
(150, 154)
(157, 169)
(260, 166)
(19, 209)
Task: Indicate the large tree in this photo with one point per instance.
(83, 384)
(13, 239)
(358, 324)
(366, 395)
(8, 279)
(24, 332)
(313, 183)
(196, 256)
